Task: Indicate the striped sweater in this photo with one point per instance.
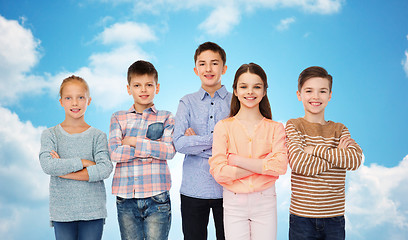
(318, 180)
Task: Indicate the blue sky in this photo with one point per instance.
(364, 45)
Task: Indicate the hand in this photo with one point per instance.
(87, 163)
(345, 142)
(309, 150)
(189, 132)
(131, 141)
(54, 154)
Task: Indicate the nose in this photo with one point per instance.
(208, 67)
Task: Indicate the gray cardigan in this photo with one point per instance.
(72, 200)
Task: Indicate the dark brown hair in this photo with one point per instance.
(212, 47)
(312, 72)
(264, 106)
(71, 79)
(141, 68)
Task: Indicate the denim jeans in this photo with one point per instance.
(195, 214)
(79, 230)
(301, 228)
(144, 218)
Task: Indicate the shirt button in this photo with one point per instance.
(212, 103)
(212, 131)
(211, 116)
(250, 140)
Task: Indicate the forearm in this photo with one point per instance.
(81, 175)
(58, 167)
(346, 158)
(193, 145)
(252, 165)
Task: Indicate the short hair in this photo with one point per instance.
(264, 106)
(71, 79)
(312, 72)
(212, 47)
(141, 67)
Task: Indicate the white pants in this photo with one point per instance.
(250, 216)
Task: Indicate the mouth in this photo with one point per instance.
(75, 110)
(315, 104)
(143, 96)
(209, 76)
(250, 98)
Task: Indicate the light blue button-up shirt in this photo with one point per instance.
(200, 112)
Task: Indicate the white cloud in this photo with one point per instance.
(20, 168)
(19, 52)
(284, 23)
(127, 33)
(105, 74)
(376, 196)
(226, 14)
(405, 63)
(221, 20)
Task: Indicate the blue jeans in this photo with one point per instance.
(144, 218)
(301, 228)
(79, 230)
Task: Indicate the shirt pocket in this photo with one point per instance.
(155, 131)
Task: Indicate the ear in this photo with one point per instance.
(89, 101)
(298, 95)
(224, 69)
(330, 96)
(128, 89)
(60, 100)
(196, 71)
(235, 92)
(157, 88)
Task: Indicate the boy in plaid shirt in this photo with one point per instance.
(140, 142)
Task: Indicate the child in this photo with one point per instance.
(249, 154)
(76, 157)
(320, 152)
(196, 117)
(140, 142)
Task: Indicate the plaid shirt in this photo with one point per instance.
(140, 171)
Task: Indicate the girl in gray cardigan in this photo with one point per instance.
(76, 157)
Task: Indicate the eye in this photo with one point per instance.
(323, 91)
(67, 98)
(215, 63)
(150, 85)
(257, 87)
(136, 85)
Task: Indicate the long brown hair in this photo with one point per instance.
(264, 106)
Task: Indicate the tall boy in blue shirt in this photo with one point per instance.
(196, 117)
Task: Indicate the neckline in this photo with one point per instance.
(73, 134)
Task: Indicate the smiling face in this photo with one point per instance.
(315, 94)
(143, 88)
(75, 99)
(210, 67)
(250, 90)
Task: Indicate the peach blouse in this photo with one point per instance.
(267, 142)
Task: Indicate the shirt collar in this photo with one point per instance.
(151, 109)
(222, 92)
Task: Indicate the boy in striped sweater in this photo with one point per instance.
(320, 152)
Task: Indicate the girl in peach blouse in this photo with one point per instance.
(249, 154)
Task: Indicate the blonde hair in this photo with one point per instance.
(71, 79)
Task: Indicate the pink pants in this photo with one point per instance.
(250, 215)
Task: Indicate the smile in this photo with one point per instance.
(315, 103)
